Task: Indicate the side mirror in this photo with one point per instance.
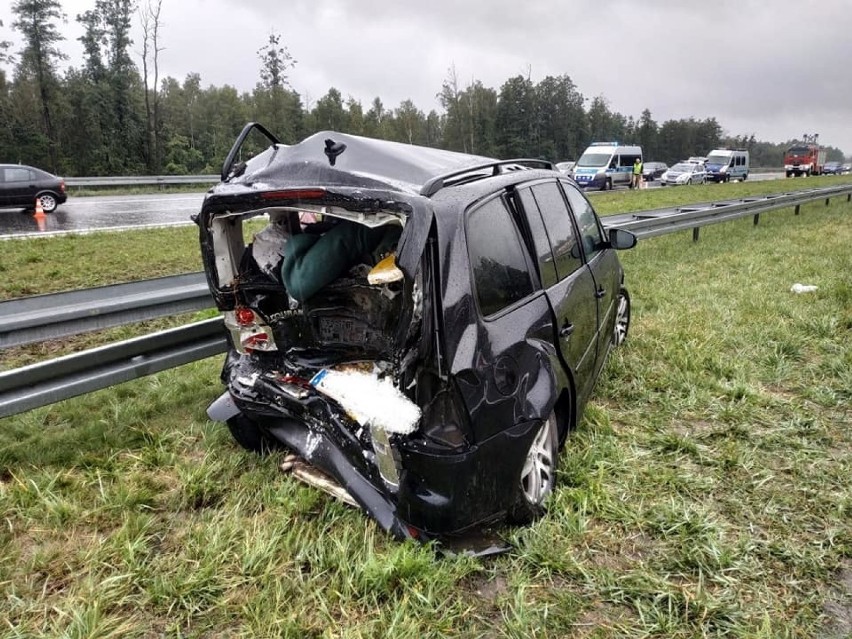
(621, 240)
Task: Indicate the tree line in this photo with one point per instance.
(108, 116)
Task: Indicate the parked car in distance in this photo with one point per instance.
(832, 168)
(652, 170)
(431, 342)
(21, 185)
(684, 173)
(565, 167)
(846, 169)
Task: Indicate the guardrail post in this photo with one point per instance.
(797, 208)
(827, 200)
(849, 197)
(695, 234)
(756, 218)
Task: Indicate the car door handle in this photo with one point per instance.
(566, 330)
(600, 293)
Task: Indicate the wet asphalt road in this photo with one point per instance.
(105, 211)
(82, 214)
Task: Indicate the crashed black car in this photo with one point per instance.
(433, 378)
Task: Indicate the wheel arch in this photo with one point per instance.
(564, 394)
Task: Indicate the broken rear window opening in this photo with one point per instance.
(391, 322)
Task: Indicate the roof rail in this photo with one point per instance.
(497, 167)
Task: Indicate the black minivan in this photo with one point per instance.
(422, 326)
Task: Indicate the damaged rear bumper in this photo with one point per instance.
(442, 491)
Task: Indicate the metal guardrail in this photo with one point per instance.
(170, 180)
(50, 316)
(694, 216)
(142, 180)
(23, 389)
(42, 317)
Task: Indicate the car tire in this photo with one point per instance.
(538, 474)
(607, 185)
(622, 318)
(48, 202)
(689, 182)
(249, 435)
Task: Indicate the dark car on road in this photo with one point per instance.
(832, 168)
(423, 327)
(21, 186)
(653, 170)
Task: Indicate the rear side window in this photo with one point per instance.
(497, 257)
(17, 175)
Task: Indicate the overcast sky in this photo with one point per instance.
(772, 68)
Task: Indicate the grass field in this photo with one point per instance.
(706, 493)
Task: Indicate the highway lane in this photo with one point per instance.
(82, 214)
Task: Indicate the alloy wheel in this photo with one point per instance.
(538, 472)
(48, 202)
(622, 319)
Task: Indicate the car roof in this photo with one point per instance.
(25, 166)
(372, 162)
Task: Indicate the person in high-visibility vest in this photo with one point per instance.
(636, 182)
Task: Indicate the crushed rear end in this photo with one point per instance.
(349, 378)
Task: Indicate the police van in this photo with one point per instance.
(724, 165)
(606, 164)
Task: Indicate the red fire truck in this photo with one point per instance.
(804, 159)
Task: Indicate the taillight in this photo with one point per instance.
(249, 331)
(294, 194)
(256, 342)
(245, 316)
(62, 185)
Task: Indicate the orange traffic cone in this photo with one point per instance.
(39, 215)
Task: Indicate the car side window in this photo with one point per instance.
(17, 175)
(591, 235)
(497, 257)
(560, 228)
(540, 239)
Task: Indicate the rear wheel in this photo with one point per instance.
(48, 202)
(249, 435)
(538, 473)
(622, 318)
(607, 185)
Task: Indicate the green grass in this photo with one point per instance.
(706, 492)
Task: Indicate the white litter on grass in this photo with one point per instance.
(802, 288)
(369, 400)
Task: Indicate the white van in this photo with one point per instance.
(724, 165)
(606, 164)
